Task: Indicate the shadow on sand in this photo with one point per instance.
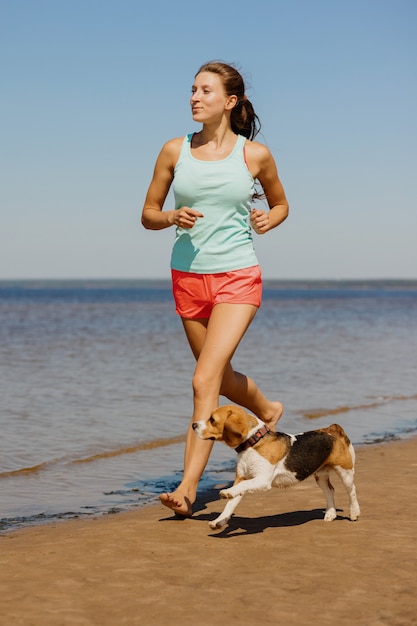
(239, 526)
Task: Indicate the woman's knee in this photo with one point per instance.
(205, 382)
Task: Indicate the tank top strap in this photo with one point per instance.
(238, 154)
(239, 149)
(186, 144)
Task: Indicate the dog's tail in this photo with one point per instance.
(337, 431)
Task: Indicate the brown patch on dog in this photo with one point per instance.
(340, 454)
(273, 447)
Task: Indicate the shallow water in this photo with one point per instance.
(95, 389)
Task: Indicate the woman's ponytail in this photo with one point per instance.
(244, 120)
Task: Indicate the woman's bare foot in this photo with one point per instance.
(177, 502)
(277, 410)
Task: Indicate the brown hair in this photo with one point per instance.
(243, 119)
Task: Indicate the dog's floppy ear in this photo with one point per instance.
(234, 429)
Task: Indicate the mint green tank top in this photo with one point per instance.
(222, 191)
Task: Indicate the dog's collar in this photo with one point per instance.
(254, 439)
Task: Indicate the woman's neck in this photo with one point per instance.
(218, 137)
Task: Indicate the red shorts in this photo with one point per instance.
(196, 294)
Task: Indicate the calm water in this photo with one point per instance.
(95, 389)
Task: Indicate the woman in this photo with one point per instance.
(216, 277)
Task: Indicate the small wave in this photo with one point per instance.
(148, 445)
(316, 413)
(34, 469)
(106, 454)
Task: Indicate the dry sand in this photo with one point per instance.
(276, 563)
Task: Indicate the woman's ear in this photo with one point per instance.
(231, 102)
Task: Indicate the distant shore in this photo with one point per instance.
(277, 561)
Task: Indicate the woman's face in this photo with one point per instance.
(209, 100)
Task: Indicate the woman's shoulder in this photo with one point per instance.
(257, 150)
(258, 157)
(171, 149)
(173, 145)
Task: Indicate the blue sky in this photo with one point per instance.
(91, 90)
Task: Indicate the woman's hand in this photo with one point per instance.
(259, 220)
(185, 217)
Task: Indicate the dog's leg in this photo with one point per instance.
(227, 513)
(235, 493)
(323, 481)
(347, 478)
(224, 517)
(263, 482)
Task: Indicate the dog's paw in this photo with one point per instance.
(330, 515)
(218, 523)
(354, 513)
(226, 494)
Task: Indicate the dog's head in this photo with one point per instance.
(230, 424)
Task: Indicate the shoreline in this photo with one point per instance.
(208, 490)
(276, 561)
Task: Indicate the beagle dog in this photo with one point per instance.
(270, 459)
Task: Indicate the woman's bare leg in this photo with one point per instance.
(242, 390)
(197, 453)
(213, 343)
(235, 386)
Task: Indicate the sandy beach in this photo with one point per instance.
(277, 561)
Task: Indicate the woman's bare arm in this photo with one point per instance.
(263, 167)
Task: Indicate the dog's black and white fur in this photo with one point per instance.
(268, 459)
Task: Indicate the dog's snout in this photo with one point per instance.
(195, 425)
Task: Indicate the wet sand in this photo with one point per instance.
(276, 563)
